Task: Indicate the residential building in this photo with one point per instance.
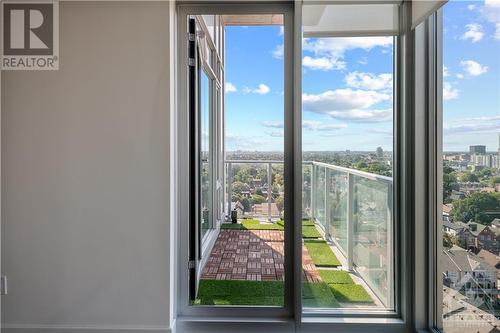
(468, 236)
(484, 160)
(492, 260)
(471, 276)
(263, 209)
(453, 228)
(477, 149)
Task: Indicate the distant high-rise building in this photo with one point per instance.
(380, 152)
(477, 149)
(482, 160)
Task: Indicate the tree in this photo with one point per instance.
(485, 173)
(239, 187)
(494, 181)
(257, 199)
(449, 240)
(279, 203)
(449, 184)
(468, 176)
(246, 204)
(480, 207)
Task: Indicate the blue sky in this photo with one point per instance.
(471, 57)
(347, 86)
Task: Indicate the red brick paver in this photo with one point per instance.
(253, 255)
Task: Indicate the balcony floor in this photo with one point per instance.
(256, 255)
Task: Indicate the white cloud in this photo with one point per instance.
(273, 124)
(471, 7)
(322, 63)
(369, 81)
(329, 52)
(229, 87)
(278, 52)
(312, 125)
(276, 134)
(449, 92)
(237, 142)
(315, 125)
(473, 68)
(342, 100)
(460, 76)
(446, 73)
(261, 90)
(282, 31)
(336, 47)
(491, 11)
(386, 132)
(363, 61)
(474, 32)
(363, 116)
(473, 125)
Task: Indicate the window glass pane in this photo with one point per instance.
(347, 129)
(206, 167)
(470, 258)
(243, 262)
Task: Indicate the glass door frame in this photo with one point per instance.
(291, 316)
(291, 172)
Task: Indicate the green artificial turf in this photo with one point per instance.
(310, 232)
(251, 224)
(308, 223)
(352, 293)
(335, 277)
(308, 229)
(321, 253)
(233, 292)
(270, 293)
(318, 294)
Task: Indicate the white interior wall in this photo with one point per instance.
(85, 175)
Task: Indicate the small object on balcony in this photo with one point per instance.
(234, 216)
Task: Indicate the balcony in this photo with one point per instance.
(347, 232)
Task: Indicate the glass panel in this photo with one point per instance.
(210, 23)
(338, 199)
(245, 266)
(470, 258)
(347, 128)
(206, 168)
(319, 193)
(372, 254)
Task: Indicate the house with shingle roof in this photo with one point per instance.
(471, 276)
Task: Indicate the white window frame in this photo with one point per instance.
(410, 242)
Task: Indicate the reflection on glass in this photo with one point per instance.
(371, 223)
(347, 128)
(243, 262)
(206, 169)
(470, 256)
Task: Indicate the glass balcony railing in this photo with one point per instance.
(352, 208)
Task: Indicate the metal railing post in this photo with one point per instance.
(390, 248)
(327, 204)
(350, 221)
(313, 186)
(269, 189)
(229, 189)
